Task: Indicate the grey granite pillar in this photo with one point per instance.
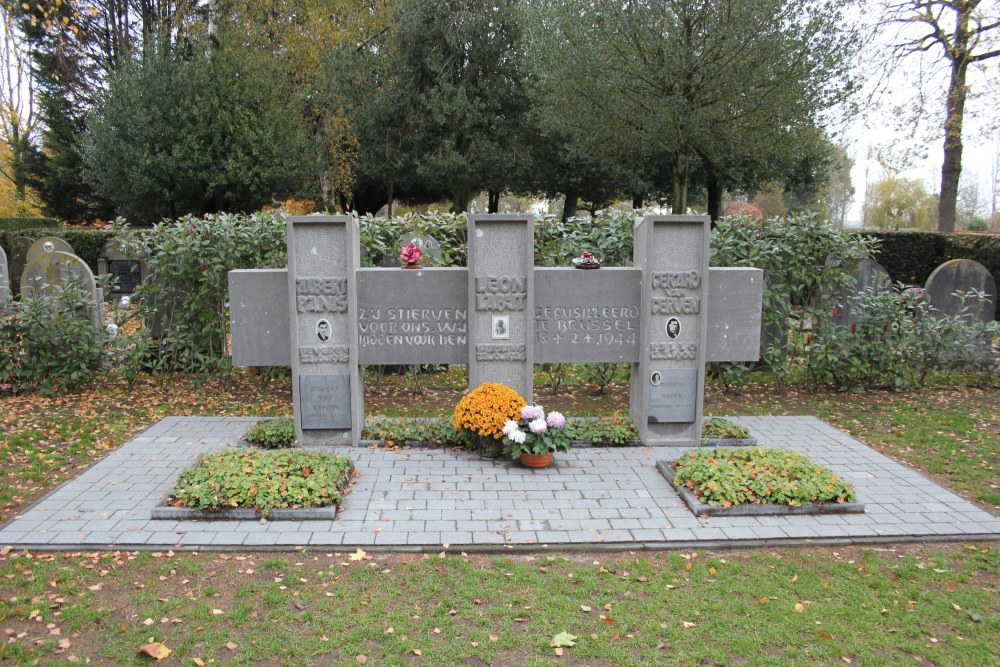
(501, 301)
(4, 279)
(323, 255)
(668, 380)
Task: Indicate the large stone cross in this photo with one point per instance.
(325, 316)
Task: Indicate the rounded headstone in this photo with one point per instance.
(962, 275)
(869, 276)
(44, 273)
(46, 245)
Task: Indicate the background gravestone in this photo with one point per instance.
(4, 279)
(47, 244)
(961, 275)
(52, 270)
(16, 261)
(869, 276)
(428, 244)
(129, 272)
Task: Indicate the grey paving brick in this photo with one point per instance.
(427, 497)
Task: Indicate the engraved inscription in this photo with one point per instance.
(423, 327)
(587, 325)
(312, 354)
(676, 298)
(501, 293)
(321, 295)
(325, 401)
(674, 398)
(673, 351)
(501, 352)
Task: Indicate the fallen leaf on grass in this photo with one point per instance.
(198, 661)
(799, 608)
(494, 638)
(361, 659)
(563, 639)
(155, 650)
(417, 651)
(232, 646)
(688, 624)
(358, 555)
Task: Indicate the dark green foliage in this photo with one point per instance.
(615, 430)
(806, 262)
(184, 298)
(897, 338)
(14, 224)
(48, 342)
(262, 480)
(758, 475)
(717, 428)
(909, 257)
(189, 134)
(277, 433)
(400, 431)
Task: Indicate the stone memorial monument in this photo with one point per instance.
(500, 315)
(129, 272)
(323, 259)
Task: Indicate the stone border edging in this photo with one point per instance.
(325, 513)
(698, 509)
(730, 442)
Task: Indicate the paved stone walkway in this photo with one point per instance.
(424, 498)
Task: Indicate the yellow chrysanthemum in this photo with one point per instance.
(485, 409)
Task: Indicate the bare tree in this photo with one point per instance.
(961, 33)
(18, 120)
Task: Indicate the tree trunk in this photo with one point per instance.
(492, 201)
(390, 193)
(951, 168)
(714, 197)
(637, 202)
(679, 202)
(460, 199)
(569, 206)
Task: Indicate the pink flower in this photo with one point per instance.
(555, 420)
(532, 412)
(538, 426)
(410, 254)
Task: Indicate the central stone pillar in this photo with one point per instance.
(501, 301)
(323, 257)
(668, 382)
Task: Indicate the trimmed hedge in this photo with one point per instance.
(14, 224)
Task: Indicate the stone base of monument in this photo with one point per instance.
(666, 468)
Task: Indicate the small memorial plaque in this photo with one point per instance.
(325, 401)
(673, 395)
(127, 273)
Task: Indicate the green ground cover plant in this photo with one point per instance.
(262, 480)
(275, 433)
(758, 475)
(716, 428)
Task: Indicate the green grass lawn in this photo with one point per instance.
(905, 603)
(824, 606)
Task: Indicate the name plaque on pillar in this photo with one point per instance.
(325, 401)
(673, 395)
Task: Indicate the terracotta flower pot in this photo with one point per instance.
(536, 460)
